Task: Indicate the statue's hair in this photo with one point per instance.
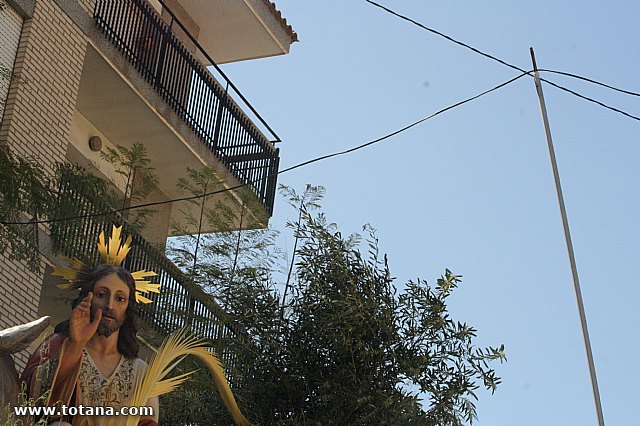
(127, 340)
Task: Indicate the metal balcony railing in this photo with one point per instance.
(211, 110)
(180, 303)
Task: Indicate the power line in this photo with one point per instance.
(586, 98)
(579, 77)
(443, 35)
(305, 163)
(324, 157)
(507, 64)
(409, 126)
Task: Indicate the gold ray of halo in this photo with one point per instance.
(75, 274)
(114, 252)
(111, 253)
(114, 245)
(141, 299)
(124, 251)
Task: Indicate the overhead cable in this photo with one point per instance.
(579, 77)
(324, 157)
(305, 163)
(507, 64)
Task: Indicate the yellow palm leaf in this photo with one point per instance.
(66, 273)
(169, 385)
(143, 286)
(176, 347)
(76, 264)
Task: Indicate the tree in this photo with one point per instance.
(233, 266)
(26, 194)
(29, 195)
(138, 177)
(216, 259)
(438, 355)
(356, 348)
(303, 203)
(185, 251)
(347, 346)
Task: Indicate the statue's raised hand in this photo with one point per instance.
(81, 328)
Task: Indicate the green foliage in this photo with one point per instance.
(25, 194)
(138, 177)
(28, 194)
(235, 267)
(438, 354)
(197, 216)
(341, 333)
(346, 346)
(304, 203)
(79, 194)
(216, 260)
(194, 403)
(9, 418)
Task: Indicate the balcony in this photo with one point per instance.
(142, 82)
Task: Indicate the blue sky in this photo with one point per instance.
(472, 189)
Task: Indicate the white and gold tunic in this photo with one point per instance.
(95, 390)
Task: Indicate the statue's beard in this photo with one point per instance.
(106, 329)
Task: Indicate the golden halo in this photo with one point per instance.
(112, 253)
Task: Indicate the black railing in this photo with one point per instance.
(180, 303)
(186, 84)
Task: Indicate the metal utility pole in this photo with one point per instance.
(567, 237)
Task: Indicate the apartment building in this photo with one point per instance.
(93, 74)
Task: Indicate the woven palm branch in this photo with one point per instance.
(171, 353)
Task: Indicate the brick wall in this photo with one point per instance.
(37, 122)
(18, 299)
(88, 5)
(11, 24)
(42, 96)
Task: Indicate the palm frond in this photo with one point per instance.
(173, 350)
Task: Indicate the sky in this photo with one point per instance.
(472, 189)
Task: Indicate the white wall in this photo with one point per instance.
(79, 152)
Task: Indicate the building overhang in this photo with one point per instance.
(238, 30)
